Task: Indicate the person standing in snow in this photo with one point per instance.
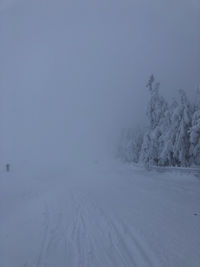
(7, 167)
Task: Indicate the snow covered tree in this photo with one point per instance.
(197, 99)
(195, 131)
(179, 131)
(146, 153)
(130, 145)
(195, 138)
(172, 137)
(157, 104)
(157, 107)
(167, 138)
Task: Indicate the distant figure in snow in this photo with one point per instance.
(7, 167)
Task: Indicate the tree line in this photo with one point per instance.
(172, 137)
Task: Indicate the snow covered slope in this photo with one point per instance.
(103, 216)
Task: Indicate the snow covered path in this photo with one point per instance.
(105, 216)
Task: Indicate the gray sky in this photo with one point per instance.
(71, 71)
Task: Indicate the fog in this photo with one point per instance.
(72, 73)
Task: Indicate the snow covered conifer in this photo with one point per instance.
(179, 131)
(195, 138)
(130, 145)
(157, 107)
(195, 131)
(167, 138)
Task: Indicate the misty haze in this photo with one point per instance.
(99, 133)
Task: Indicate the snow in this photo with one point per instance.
(100, 215)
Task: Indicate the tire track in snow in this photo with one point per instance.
(45, 235)
(109, 237)
(82, 234)
(53, 240)
(80, 242)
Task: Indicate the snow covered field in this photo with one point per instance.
(107, 215)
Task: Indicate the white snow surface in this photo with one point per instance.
(102, 215)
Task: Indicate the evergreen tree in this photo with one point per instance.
(195, 132)
(172, 137)
(157, 107)
(179, 131)
(166, 155)
(146, 153)
(130, 145)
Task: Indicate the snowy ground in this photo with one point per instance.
(105, 216)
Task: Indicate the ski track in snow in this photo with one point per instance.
(76, 231)
(89, 232)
